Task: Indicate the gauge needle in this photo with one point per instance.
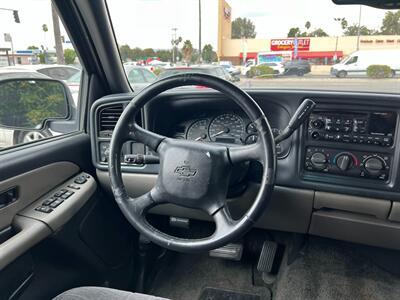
(199, 138)
(226, 130)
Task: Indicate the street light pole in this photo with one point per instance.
(200, 58)
(173, 43)
(359, 29)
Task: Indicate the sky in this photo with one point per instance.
(149, 23)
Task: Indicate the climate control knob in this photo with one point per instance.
(344, 162)
(318, 160)
(374, 165)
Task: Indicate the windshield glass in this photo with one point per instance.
(313, 45)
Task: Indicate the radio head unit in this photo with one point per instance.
(374, 128)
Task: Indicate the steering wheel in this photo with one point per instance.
(193, 174)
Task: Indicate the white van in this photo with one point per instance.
(358, 62)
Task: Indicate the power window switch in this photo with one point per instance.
(67, 195)
(56, 203)
(48, 201)
(44, 209)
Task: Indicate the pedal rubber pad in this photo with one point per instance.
(267, 256)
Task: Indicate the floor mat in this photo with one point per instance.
(187, 276)
(212, 293)
(329, 269)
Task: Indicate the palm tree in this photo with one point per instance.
(187, 50)
(307, 25)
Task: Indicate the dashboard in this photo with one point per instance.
(337, 176)
(220, 126)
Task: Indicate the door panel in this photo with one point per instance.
(33, 184)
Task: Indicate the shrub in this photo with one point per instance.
(261, 71)
(157, 71)
(379, 71)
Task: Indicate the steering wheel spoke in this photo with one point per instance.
(251, 152)
(223, 222)
(150, 139)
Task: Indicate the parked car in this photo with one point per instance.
(60, 72)
(246, 68)
(139, 77)
(296, 67)
(215, 70)
(229, 67)
(358, 62)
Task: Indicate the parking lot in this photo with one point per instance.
(391, 85)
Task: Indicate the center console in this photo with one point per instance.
(350, 145)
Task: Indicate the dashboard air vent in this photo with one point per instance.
(108, 118)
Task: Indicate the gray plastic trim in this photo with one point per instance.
(375, 207)
(395, 212)
(66, 210)
(29, 233)
(289, 210)
(33, 184)
(355, 228)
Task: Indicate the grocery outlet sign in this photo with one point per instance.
(289, 44)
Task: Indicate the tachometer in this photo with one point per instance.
(227, 128)
(198, 131)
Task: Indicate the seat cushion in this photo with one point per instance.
(101, 293)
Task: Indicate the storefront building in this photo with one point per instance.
(317, 50)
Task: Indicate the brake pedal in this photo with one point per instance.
(267, 257)
(229, 251)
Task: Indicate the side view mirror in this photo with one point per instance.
(27, 103)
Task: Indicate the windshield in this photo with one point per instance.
(313, 45)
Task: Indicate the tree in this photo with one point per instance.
(164, 55)
(293, 31)
(391, 23)
(69, 56)
(208, 54)
(136, 54)
(187, 50)
(243, 28)
(148, 52)
(32, 47)
(57, 35)
(319, 32)
(125, 51)
(307, 25)
(353, 30)
(45, 28)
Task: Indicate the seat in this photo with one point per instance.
(101, 293)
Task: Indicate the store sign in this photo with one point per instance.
(303, 44)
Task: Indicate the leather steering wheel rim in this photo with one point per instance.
(193, 174)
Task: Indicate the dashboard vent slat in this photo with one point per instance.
(108, 117)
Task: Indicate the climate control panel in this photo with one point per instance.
(346, 163)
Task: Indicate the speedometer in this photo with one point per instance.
(227, 128)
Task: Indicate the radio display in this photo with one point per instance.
(382, 123)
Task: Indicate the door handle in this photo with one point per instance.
(8, 196)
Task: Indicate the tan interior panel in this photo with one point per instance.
(289, 210)
(378, 208)
(32, 185)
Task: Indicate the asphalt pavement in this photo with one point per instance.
(321, 82)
